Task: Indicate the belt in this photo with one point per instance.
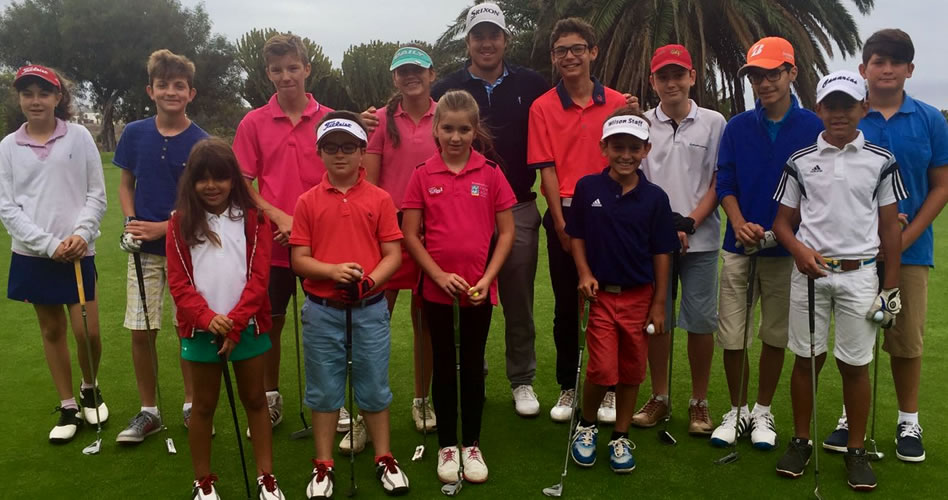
(615, 288)
(566, 202)
(339, 304)
(844, 265)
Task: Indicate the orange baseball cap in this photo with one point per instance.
(768, 53)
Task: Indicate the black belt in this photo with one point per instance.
(339, 304)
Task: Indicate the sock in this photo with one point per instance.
(617, 435)
(419, 402)
(586, 423)
(186, 407)
(328, 463)
(759, 408)
(844, 410)
(744, 410)
(85, 385)
(661, 397)
(151, 409)
(909, 418)
(379, 457)
(69, 403)
(274, 390)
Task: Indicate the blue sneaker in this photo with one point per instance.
(583, 450)
(908, 441)
(620, 455)
(838, 439)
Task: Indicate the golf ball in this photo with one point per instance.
(475, 294)
(877, 317)
(650, 329)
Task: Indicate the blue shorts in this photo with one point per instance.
(324, 352)
(698, 291)
(38, 280)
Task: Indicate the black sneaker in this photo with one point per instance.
(87, 399)
(908, 443)
(839, 438)
(858, 471)
(65, 429)
(793, 463)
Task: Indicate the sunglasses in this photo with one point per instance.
(332, 148)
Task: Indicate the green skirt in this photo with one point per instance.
(203, 347)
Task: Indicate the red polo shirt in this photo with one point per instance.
(565, 135)
(280, 156)
(459, 214)
(344, 227)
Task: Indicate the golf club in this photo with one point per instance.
(810, 294)
(169, 443)
(306, 431)
(874, 454)
(452, 489)
(663, 435)
(557, 489)
(420, 449)
(352, 429)
(233, 411)
(92, 449)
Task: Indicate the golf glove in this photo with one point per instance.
(768, 241)
(357, 290)
(127, 242)
(889, 301)
(683, 224)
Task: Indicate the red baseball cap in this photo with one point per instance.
(768, 53)
(38, 71)
(671, 54)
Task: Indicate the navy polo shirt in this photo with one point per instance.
(622, 232)
(156, 162)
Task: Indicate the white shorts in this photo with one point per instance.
(848, 296)
(155, 274)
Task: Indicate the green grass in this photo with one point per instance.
(524, 455)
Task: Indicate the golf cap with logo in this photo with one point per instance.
(485, 13)
(341, 125)
(768, 53)
(41, 72)
(625, 124)
(843, 81)
(671, 54)
(410, 55)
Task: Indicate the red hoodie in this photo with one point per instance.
(193, 311)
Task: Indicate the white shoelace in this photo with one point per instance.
(763, 420)
(911, 430)
(566, 398)
(842, 423)
(586, 434)
(622, 446)
(525, 392)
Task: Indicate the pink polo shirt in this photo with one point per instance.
(416, 144)
(459, 214)
(281, 157)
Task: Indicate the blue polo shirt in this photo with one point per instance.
(622, 232)
(918, 136)
(156, 162)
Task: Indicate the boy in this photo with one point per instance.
(683, 162)
(346, 245)
(561, 145)
(754, 148)
(622, 237)
(275, 144)
(835, 251)
(152, 153)
(918, 136)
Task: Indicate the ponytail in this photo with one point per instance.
(390, 128)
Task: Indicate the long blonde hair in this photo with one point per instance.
(463, 101)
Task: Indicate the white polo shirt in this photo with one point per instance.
(220, 272)
(839, 192)
(683, 161)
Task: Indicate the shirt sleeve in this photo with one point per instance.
(301, 233)
(123, 158)
(726, 184)
(575, 216)
(539, 143)
(504, 197)
(414, 193)
(20, 226)
(890, 189)
(90, 216)
(388, 229)
(663, 238)
(377, 141)
(789, 189)
(246, 149)
(939, 141)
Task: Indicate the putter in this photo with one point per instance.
(452, 489)
(306, 430)
(663, 435)
(420, 449)
(169, 443)
(557, 489)
(233, 411)
(812, 319)
(875, 454)
(352, 477)
(92, 449)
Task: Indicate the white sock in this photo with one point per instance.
(69, 403)
(844, 410)
(661, 397)
(759, 408)
(418, 402)
(85, 385)
(186, 407)
(744, 410)
(911, 418)
(151, 409)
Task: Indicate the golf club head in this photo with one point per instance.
(419, 453)
(554, 491)
(816, 493)
(666, 438)
(302, 433)
(452, 489)
(875, 456)
(727, 459)
(169, 443)
(93, 449)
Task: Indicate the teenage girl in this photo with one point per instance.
(52, 199)
(400, 143)
(462, 198)
(218, 249)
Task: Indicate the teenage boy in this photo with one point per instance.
(561, 143)
(683, 162)
(152, 153)
(622, 236)
(343, 284)
(755, 146)
(918, 136)
(276, 145)
(835, 247)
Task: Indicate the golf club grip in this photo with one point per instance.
(811, 300)
(79, 285)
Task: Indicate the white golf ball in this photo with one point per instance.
(877, 317)
(650, 329)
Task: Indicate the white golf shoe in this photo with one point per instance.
(525, 401)
(65, 429)
(730, 430)
(475, 470)
(562, 411)
(360, 436)
(267, 488)
(320, 482)
(607, 409)
(449, 462)
(763, 430)
(203, 489)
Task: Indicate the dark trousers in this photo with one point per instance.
(564, 280)
(474, 326)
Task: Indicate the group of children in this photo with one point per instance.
(422, 200)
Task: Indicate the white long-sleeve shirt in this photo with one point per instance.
(44, 201)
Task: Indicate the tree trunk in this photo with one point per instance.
(107, 135)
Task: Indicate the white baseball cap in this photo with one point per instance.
(625, 124)
(841, 81)
(341, 125)
(485, 13)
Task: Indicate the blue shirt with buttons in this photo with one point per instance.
(621, 231)
(156, 162)
(918, 136)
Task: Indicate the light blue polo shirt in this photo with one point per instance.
(918, 136)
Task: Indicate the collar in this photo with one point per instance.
(662, 117)
(232, 211)
(431, 108)
(327, 185)
(761, 112)
(495, 82)
(466, 75)
(908, 105)
(854, 145)
(24, 139)
(436, 164)
(643, 181)
(312, 107)
(598, 96)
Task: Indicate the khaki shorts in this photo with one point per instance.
(904, 340)
(772, 287)
(155, 274)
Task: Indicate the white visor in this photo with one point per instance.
(625, 124)
(341, 125)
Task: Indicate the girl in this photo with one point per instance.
(401, 141)
(461, 197)
(218, 274)
(52, 199)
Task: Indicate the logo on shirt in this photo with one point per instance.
(435, 190)
(597, 203)
(816, 170)
(478, 189)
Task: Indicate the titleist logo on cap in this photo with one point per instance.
(337, 123)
